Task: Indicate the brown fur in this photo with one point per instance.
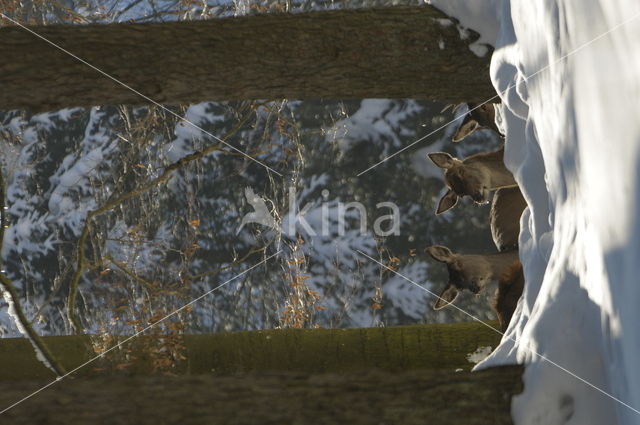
(475, 176)
(469, 272)
(504, 218)
(479, 117)
(473, 272)
(510, 287)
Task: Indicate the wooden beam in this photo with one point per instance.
(371, 397)
(388, 52)
(394, 348)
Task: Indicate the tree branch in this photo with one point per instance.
(11, 297)
(168, 171)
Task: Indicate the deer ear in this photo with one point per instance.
(447, 296)
(468, 126)
(441, 159)
(454, 107)
(440, 253)
(448, 201)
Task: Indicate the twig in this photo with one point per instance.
(80, 254)
(42, 351)
(124, 269)
(233, 263)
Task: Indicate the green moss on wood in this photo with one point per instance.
(434, 346)
(437, 346)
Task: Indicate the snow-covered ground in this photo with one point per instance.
(569, 75)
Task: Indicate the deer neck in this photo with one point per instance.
(495, 264)
(492, 164)
(499, 176)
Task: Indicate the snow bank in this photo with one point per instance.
(478, 15)
(569, 76)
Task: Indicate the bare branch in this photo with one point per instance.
(11, 296)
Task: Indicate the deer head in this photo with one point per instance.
(479, 117)
(469, 272)
(474, 176)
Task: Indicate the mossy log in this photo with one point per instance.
(384, 52)
(354, 398)
(397, 375)
(398, 348)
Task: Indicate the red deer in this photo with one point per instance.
(506, 209)
(479, 117)
(474, 176)
(510, 287)
(474, 272)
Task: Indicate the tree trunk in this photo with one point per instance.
(373, 397)
(390, 52)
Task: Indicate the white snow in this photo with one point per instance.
(13, 313)
(60, 201)
(376, 119)
(569, 76)
(480, 354)
(413, 300)
(190, 130)
(478, 15)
